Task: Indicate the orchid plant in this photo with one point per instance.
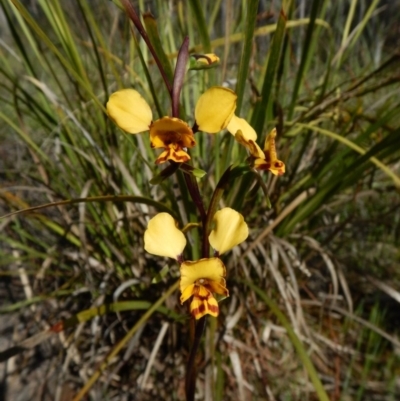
(202, 281)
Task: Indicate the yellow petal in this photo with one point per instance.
(214, 109)
(201, 291)
(195, 290)
(271, 163)
(187, 293)
(218, 288)
(251, 145)
(163, 238)
(174, 153)
(276, 168)
(208, 269)
(241, 124)
(230, 230)
(269, 147)
(170, 130)
(200, 306)
(129, 111)
(207, 286)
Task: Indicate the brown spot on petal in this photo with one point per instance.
(213, 308)
(173, 152)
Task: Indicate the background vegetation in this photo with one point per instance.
(323, 261)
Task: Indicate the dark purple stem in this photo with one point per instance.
(190, 180)
(139, 26)
(193, 188)
(179, 76)
(191, 374)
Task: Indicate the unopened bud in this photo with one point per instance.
(203, 61)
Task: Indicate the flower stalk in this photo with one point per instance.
(139, 26)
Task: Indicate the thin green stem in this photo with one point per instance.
(251, 20)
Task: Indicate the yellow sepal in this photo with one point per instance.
(163, 238)
(129, 111)
(215, 109)
(237, 123)
(230, 230)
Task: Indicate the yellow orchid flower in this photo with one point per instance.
(200, 278)
(263, 159)
(213, 112)
(244, 134)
